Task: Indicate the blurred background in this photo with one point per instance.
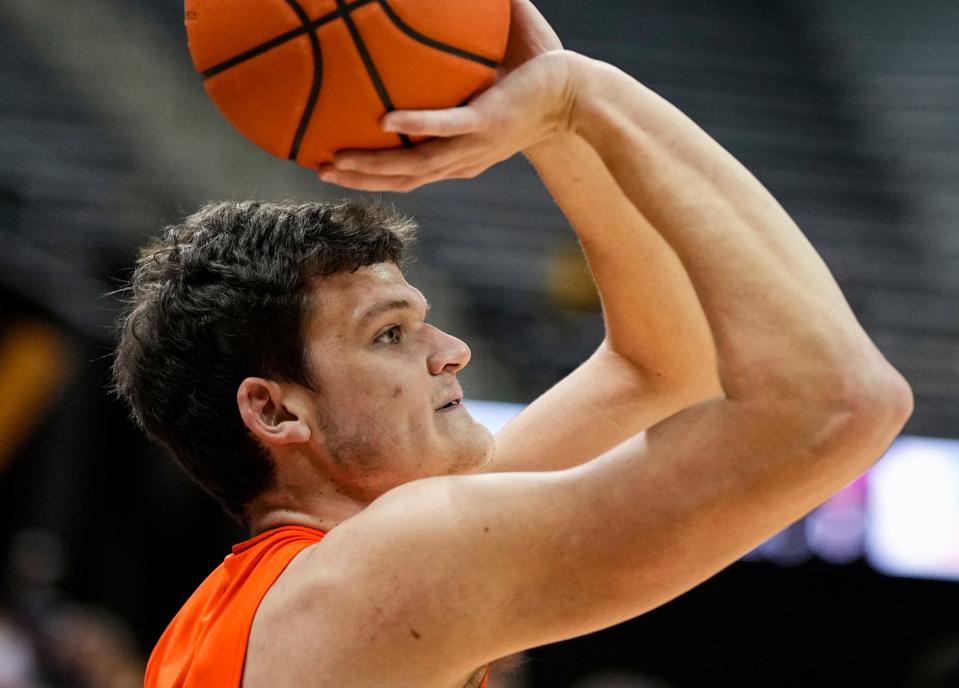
(848, 110)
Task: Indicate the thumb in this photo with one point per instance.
(444, 123)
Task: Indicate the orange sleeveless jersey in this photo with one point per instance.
(205, 644)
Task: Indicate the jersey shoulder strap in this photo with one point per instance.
(205, 644)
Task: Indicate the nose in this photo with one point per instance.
(448, 354)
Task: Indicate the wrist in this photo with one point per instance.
(557, 129)
(599, 90)
(586, 99)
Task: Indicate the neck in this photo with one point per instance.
(291, 517)
(314, 501)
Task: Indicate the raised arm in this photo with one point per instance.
(652, 316)
(458, 571)
(657, 356)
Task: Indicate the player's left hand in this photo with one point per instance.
(530, 102)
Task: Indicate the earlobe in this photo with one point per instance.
(262, 408)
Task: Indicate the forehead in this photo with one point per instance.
(340, 300)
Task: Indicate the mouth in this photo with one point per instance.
(451, 404)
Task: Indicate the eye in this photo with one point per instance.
(393, 335)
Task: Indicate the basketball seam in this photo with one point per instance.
(317, 79)
(310, 26)
(370, 66)
(253, 52)
(432, 42)
(277, 41)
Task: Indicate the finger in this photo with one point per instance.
(444, 123)
(424, 158)
(372, 182)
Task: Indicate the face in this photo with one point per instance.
(385, 379)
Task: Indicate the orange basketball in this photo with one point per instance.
(305, 78)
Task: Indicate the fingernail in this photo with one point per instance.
(389, 125)
(343, 164)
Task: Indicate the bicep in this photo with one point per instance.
(596, 407)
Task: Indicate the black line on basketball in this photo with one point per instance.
(279, 40)
(426, 40)
(370, 67)
(253, 52)
(317, 78)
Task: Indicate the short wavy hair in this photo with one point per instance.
(222, 296)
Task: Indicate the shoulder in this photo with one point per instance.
(279, 633)
(345, 607)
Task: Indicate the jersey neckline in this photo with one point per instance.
(272, 532)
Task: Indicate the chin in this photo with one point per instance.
(476, 451)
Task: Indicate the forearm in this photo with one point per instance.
(778, 320)
(652, 315)
(771, 303)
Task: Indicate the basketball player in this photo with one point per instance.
(279, 351)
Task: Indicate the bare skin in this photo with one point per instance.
(733, 393)
(384, 372)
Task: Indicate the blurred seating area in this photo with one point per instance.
(50, 640)
(845, 109)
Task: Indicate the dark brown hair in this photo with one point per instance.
(223, 296)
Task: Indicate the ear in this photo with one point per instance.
(262, 408)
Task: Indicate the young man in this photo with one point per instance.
(280, 353)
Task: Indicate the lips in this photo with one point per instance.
(452, 403)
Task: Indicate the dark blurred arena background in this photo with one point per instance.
(847, 109)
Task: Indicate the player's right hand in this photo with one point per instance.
(530, 104)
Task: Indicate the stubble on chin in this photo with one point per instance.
(366, 459)
(475, 454)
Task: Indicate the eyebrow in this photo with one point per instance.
(387, 306)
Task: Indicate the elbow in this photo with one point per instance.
(874, 405)
(885, 403)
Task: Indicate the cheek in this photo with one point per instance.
(383, 420)
(382, 404)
